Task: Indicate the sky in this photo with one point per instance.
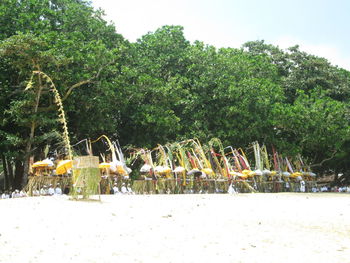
(319, 27)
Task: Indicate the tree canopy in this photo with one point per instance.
(160, 88)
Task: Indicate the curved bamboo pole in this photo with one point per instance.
(61, 113)
(111, 147)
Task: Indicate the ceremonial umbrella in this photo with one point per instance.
(43, 164)
(104, 165)
(63, 166)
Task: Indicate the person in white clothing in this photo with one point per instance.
(129, 189)
(58, 190)
(115, 189)
(231, 190)
(123, 189)
(43, 190)
(287, 186)
(302, 186)
(51, 190)
(5, 195)
(15, 194)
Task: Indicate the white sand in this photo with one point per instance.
(177, 228)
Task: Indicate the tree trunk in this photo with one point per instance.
(10, 173)
(27, 154)
(4, 164)
(19, 183)
(31, 136)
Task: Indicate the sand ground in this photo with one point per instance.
(286, 227)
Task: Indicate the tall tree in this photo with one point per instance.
(69, 41)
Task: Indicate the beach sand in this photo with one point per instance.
(285, 227)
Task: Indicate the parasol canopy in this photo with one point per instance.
(64, 166)
(162, 169)
(47, 163)
(208, 171)
(248, 173)
(146, 168)
(179, 169)
(296, 175)
(194, 172)
(258, 172)
(286, 174)
(104, 165)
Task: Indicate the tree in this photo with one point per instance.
(160, 88)
(69, 41)
(315, 125)
(151, 90)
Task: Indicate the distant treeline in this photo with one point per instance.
(161, 88)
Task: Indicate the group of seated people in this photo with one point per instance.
(15, 194)
(45, 190)
(124, 189)
(48, 190)
(341, 189)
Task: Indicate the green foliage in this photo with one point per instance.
(70, 42)
(315, 124)
(162, 87)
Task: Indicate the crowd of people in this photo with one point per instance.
(124, 189)
(46, 190)
(15, 194)
(50, 190)
(334, 189)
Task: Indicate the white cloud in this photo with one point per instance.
(331, 53)
(205, 21)
(134, 18)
